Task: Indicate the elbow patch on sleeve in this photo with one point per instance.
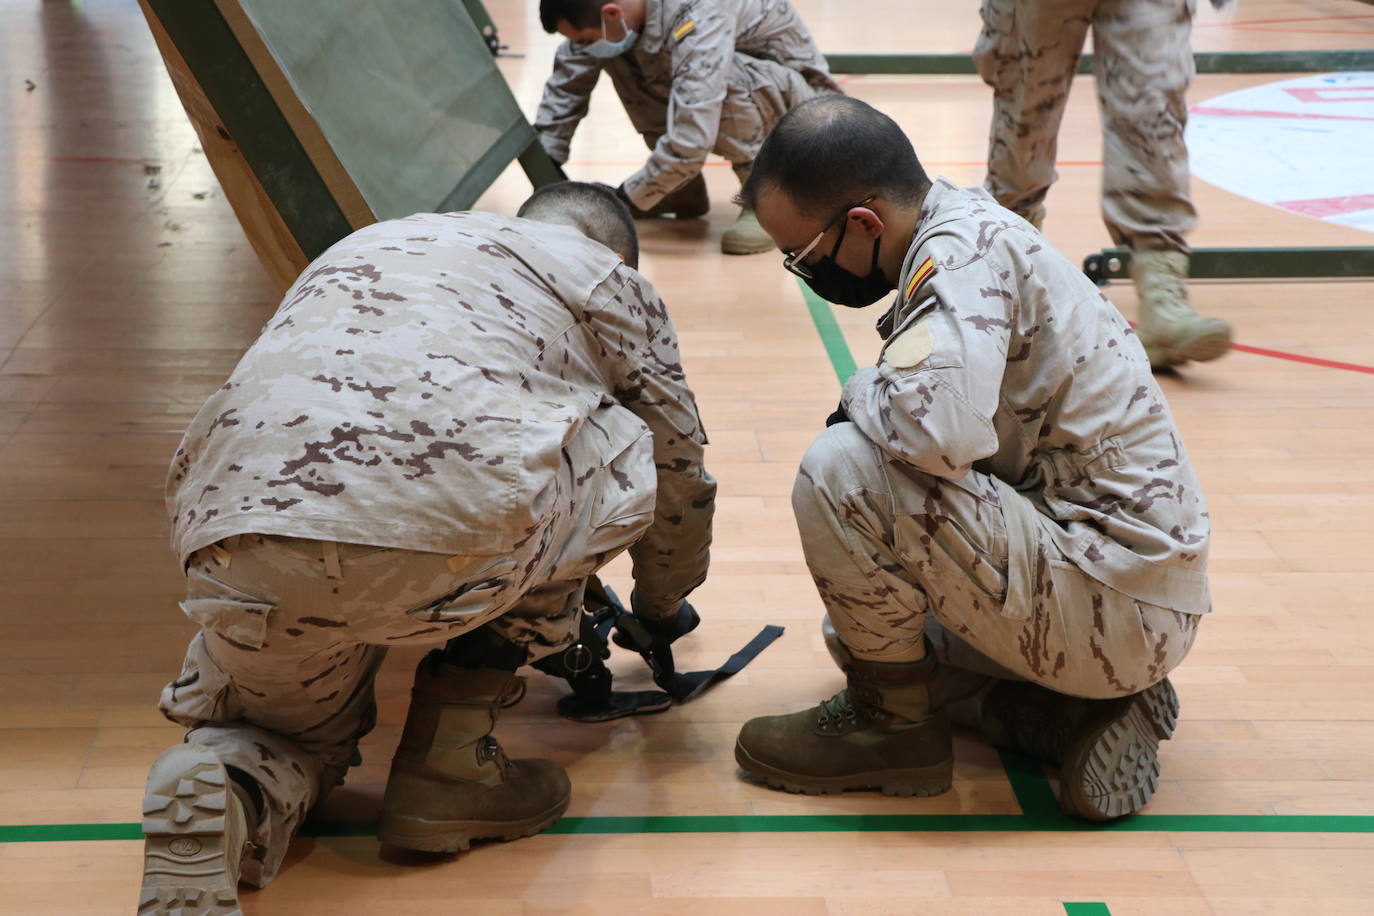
(911, 347)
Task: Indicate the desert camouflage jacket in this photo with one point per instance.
(417, 385)
(683, 56)
(1002, 357)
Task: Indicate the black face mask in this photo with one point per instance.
(833, 283)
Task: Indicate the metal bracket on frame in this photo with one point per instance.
(1244, 263)
(1206, 62)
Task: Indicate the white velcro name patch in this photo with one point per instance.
(910, 347)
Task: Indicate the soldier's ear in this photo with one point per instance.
(866, 221)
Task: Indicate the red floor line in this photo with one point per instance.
(1362, 33)
(1242, 22)
(1298, 358)
(1282, 115)
(925, 162)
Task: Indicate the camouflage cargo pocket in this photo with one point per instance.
(203, 691)
(238, 617)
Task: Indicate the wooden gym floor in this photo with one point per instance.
(127, 292)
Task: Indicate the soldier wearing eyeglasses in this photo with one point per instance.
(1000, 518)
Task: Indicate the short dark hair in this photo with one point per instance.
(592, 209)
(833, 151)
(580, 14)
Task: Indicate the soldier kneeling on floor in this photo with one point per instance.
(695, 77)
(1000, 518)
(450, 423)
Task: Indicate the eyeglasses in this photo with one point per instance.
(793, 261)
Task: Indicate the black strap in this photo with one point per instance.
(679, 685)
(617, 705)
(684, 686)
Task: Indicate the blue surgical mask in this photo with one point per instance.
(604, 48)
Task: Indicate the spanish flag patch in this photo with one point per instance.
(919, 276)
(684, 30)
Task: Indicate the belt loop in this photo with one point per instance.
(330, 550)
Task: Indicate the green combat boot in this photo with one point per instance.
(1107, 750)
(1171, 331)
(746, 236)
(196, 826)
(450, 781)
(881, 732)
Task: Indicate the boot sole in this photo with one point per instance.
(921, 782)
(184, 811)
(424, 835)
(730, 246)
(1114, 769)
(1200, 349)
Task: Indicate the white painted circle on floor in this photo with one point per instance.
(1304, 145)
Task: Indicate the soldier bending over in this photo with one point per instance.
(1001, 519)
(695, 77)
(449, 424)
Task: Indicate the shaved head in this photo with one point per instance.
(834, 150)
(591, 209)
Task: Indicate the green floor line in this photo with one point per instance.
(804, 823)
(823, 317)
(1086, 909)
(1034, 794)
(1033, 791)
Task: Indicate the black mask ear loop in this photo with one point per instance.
(844, 226)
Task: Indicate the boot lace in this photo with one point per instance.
(488, 748)
(837, 709)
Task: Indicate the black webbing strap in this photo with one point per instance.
(679, 685)
(684, 686)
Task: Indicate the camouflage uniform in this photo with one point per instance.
(451, 420)
(1028, 52)
(1011, 468)
(704, 76)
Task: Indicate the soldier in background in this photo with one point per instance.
(1001, 520)
(695, 77)
(1028, 53)
(451, 421)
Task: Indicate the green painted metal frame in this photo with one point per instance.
(1207, 62)
(259, 129)
(270, 147)
(1246, 263)
(538, 167)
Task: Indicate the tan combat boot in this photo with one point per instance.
(746, 236)
(881, 732)
(1107, 750)
(196, 826)
(1037, 217)
(450, 781)
(1169, 328)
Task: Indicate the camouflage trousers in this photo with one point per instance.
(890, 546)
(1028, 51)
(279, 680)
(759, 92)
